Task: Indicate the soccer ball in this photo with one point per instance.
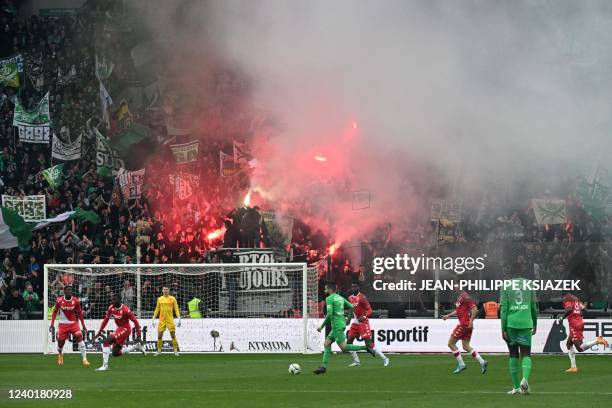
(295, 369)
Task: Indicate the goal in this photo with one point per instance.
(253, 308)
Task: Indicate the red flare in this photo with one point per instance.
(333, 248)
(214, 235)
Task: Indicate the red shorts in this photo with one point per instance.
(65, 329)
(121, 334)
(462, 332)
(576, 332)
(361, 330)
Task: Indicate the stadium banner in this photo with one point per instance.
(185, 152)
(279, 228)
(66, 150)
(242, 155)
(226, 164)
(10, 68)
(182, 187)
(131, 183)
(193, 179)
(108, 161)
(284, 335)
(549, 211)
(33, 125)
(449, 210)
(30, 208)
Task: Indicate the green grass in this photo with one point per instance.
(247, 380)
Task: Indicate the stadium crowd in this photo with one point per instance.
(159, 227)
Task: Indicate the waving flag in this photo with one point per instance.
(549, 211)
(53, 175)
(14, 231)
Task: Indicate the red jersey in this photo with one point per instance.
(464, 306)
(361, 307)
(122, 316)
(69, 311)
(576, 307)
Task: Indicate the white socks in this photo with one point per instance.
(376, 351)
(477, 357)
(457, 355)
(82, 350)
(571, 353)
(588, 345)
(127, 349)
(105, 355)
(379, 354)
(572, 356)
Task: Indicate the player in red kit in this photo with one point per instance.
(360, 325)
(70, 312)
(573, 311)
(466, 311)
(122, 316)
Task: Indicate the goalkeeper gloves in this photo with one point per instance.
(153, 322)
(178, 323)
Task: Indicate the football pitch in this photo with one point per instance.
(249, 380)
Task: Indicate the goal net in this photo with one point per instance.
(224, 307)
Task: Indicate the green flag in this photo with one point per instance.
(593, 192)
(81, 214)
(132, 135)
(107, 158)
(134, 145)
(14, 231)
(53, 175)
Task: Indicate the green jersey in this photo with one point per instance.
(518, 306)
(335, 311)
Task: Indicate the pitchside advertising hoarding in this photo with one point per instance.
(285, 335)
(431, 335)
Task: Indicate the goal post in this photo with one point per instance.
(235, 307)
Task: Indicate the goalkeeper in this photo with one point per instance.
(335, 305)
(166, 309)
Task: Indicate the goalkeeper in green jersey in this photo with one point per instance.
(335, 306)
(519, 317)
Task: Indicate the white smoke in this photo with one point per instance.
(465, 94)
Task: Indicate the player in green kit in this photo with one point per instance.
(519, 317)
(336, 305)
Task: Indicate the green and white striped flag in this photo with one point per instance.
(14, 231)
(53, 175)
